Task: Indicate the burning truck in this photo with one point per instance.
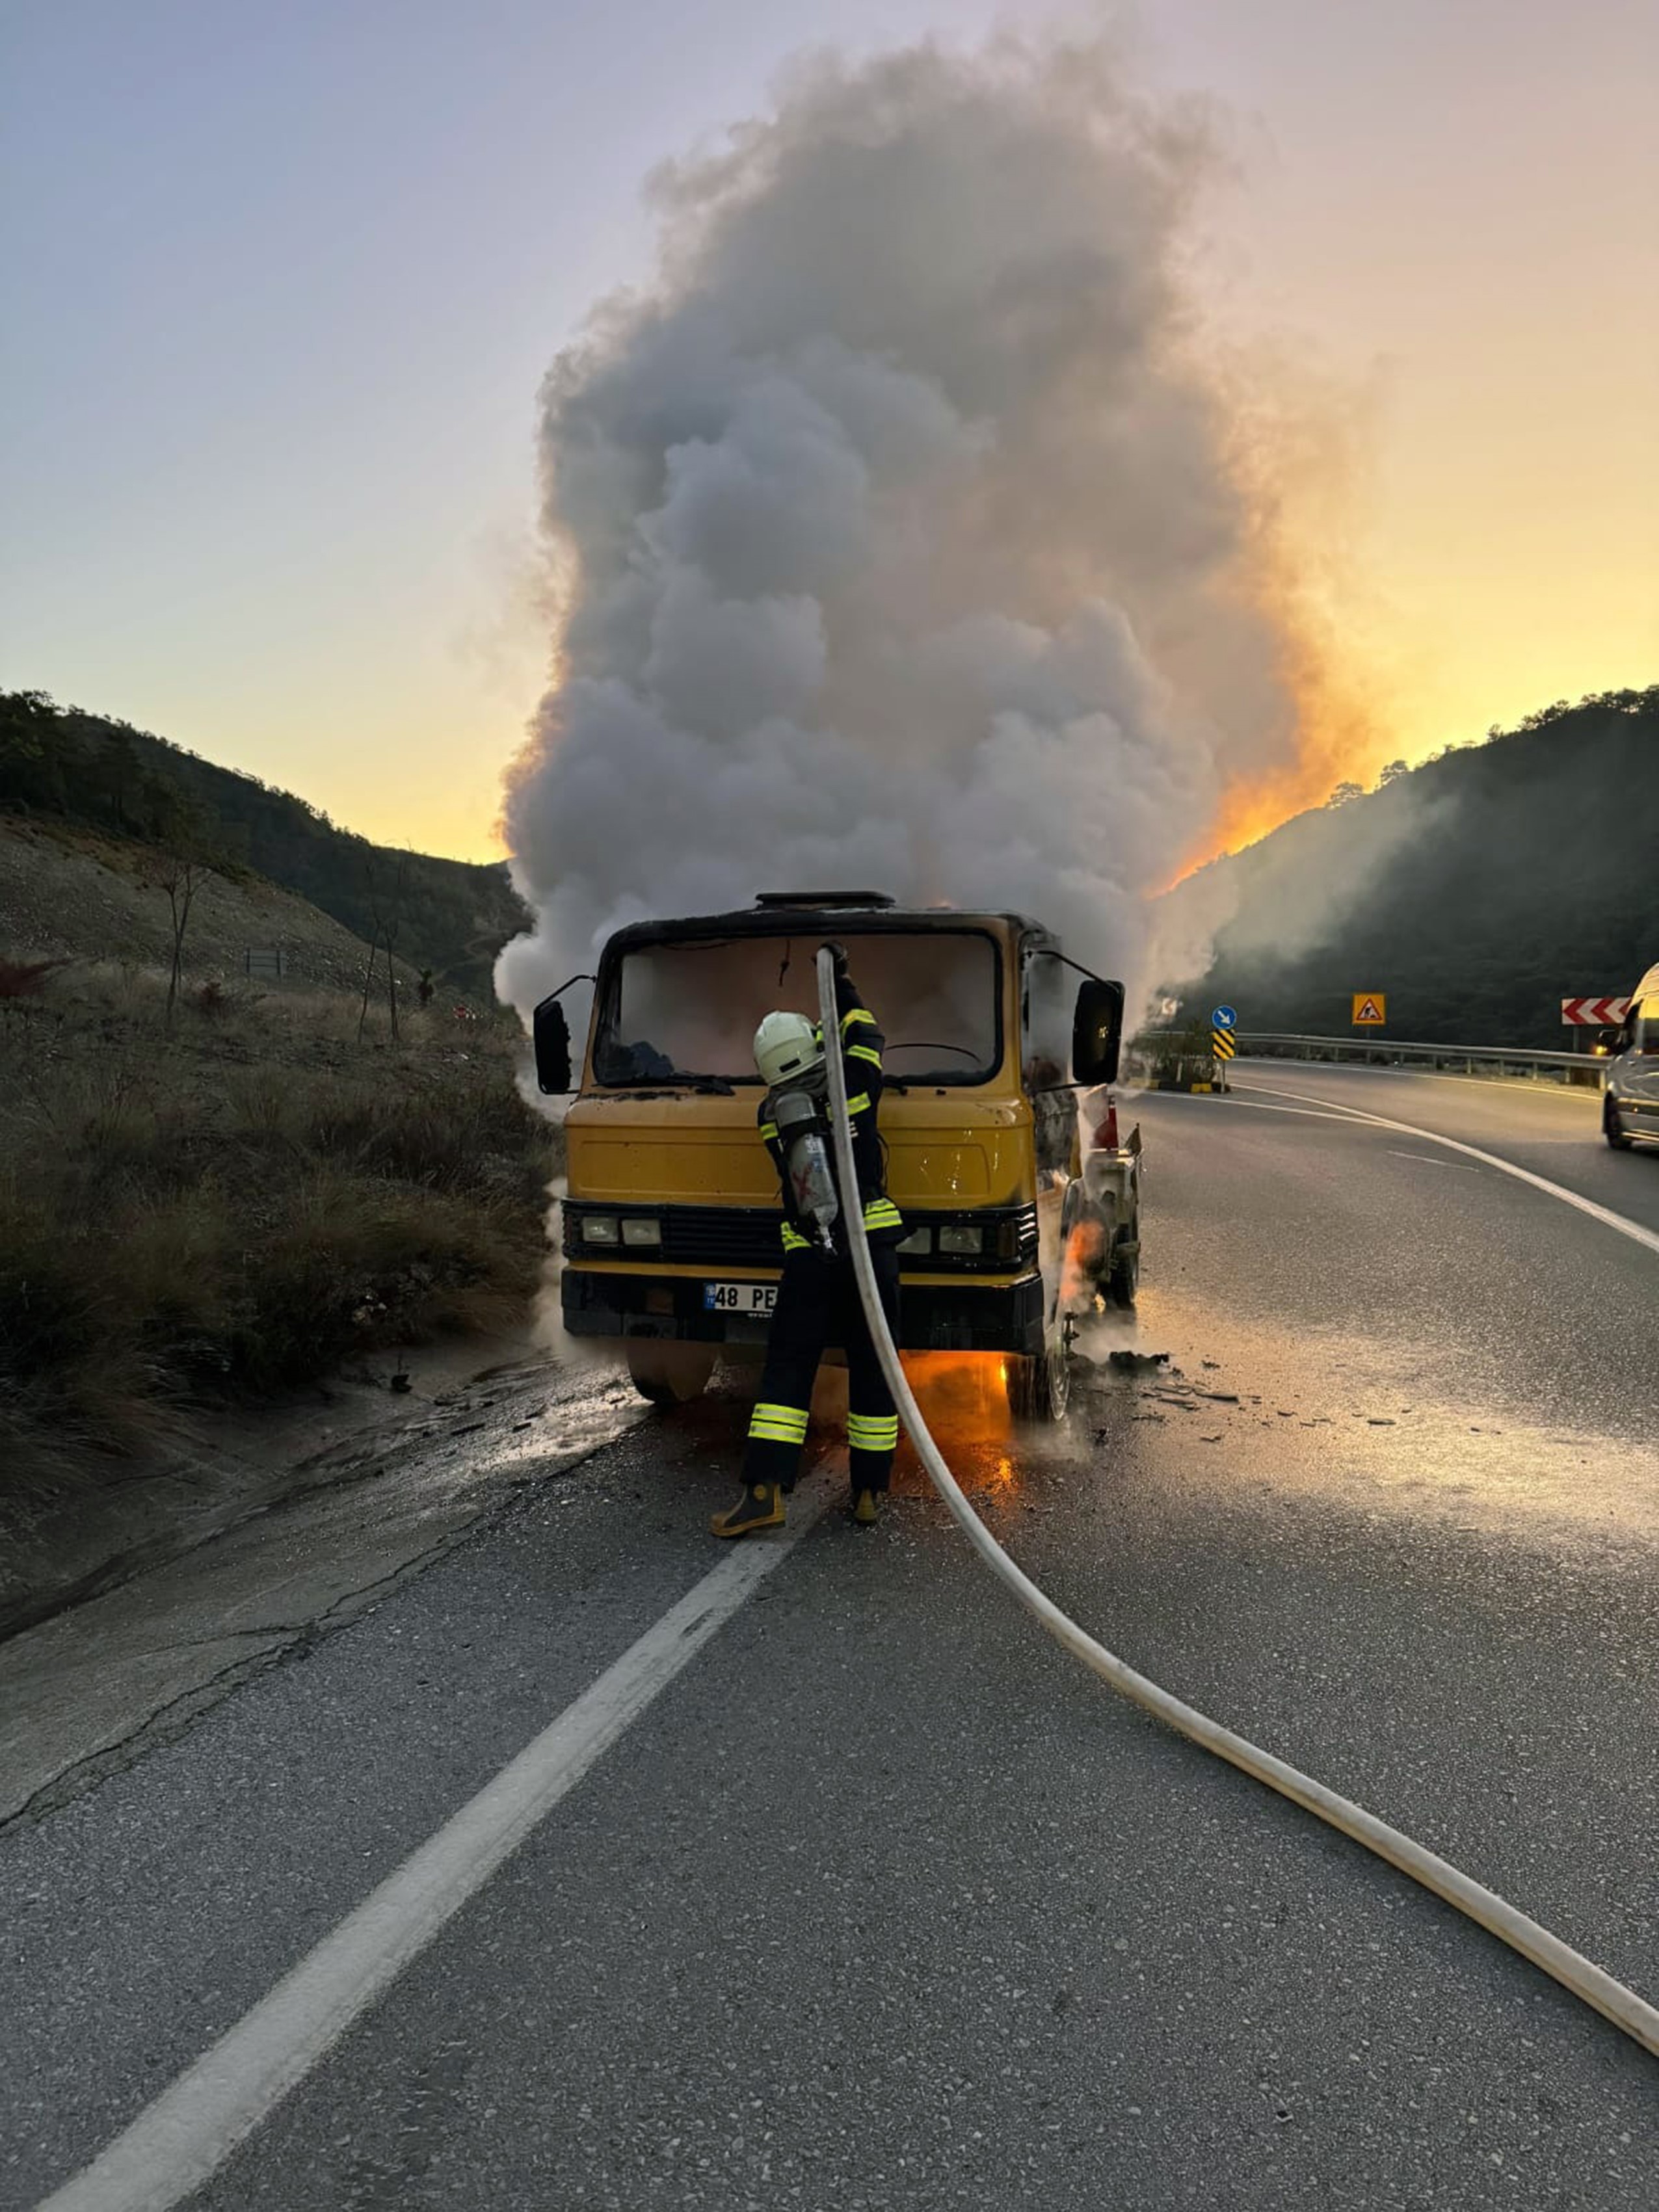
(1020, 1205)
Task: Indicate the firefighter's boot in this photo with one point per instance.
(864, 1513)
(761, 1506)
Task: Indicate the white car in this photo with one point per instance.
(1630, 1102)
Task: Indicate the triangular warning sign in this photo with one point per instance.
(1369, 1006)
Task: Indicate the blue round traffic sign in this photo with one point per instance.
(1226, 1018)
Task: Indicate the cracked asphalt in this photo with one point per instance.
(883, 1902)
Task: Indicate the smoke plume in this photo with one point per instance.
(900, 541)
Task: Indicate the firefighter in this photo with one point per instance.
(818, 1302)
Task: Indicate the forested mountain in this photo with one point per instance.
(60, 764)
(1477, 890)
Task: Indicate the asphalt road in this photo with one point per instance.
(882, 1902)
(1553, 1129)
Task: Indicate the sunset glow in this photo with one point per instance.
(300, 543)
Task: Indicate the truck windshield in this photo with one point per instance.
(1644, 1029)
(689, 1011)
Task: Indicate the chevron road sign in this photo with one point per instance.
(1594, 1013)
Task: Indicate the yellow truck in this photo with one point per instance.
(670, 1230)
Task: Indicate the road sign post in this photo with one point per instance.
(1594, 1013)
(1223, 1045)
(1370, 1009)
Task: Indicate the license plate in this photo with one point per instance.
(740, 1298)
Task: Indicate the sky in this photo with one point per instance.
(282, 278)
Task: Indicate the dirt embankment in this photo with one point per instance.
(71, 894)
(204, 1208)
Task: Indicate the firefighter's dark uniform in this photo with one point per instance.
(818, 1302)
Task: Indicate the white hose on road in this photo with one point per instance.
(1638, 2020)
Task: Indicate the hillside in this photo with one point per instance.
(60, 767)
(73, 894)
(1477, 890)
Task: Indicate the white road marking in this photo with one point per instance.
(1624, 1227)
(1336, 1114)
(1427, 1159)
(176, 2143)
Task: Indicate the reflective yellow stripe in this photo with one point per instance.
(793, 1239)
(861, 1104)
(872, 1431)
(767, 1432)
(864, 1051)
(769, 1130)
(858, 1014)
(881, 1213)
(790, 1420)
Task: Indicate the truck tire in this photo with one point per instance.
(667, 1373)
(1123, 1278)
(1040, 1387)
(1612, 1128)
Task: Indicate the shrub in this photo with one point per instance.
(177, 1226)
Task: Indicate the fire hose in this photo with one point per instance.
(1587, 1981)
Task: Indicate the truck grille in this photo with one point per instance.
(692, 1235)
(747, 1236)
(723, 1235)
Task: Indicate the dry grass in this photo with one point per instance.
(242, 1203)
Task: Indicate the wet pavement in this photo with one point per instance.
(272, 1561)
(886, 1902)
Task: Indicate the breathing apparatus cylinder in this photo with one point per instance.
(802, 1126)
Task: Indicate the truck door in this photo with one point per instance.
(1045, 1053)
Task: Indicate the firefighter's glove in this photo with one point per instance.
(838, 954)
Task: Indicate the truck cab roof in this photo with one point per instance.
(826, 914)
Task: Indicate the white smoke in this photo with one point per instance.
(901, 543)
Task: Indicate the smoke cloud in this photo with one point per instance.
(900, 542)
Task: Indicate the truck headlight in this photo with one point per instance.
(916, 1245)
(961, 1236)
(599, 1229)
(641, 1230)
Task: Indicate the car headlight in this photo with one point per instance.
(641, 1230)
(917, 1244)
(961, 1236)
(599, 1229)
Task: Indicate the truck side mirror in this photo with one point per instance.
(552, 1036)
(1097, 1031)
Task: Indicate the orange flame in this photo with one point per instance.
(1300, 452)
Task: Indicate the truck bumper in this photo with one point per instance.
(933, 1317)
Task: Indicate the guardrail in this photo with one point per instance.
(1585, 1067)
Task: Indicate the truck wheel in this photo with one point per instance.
(1612, 1128)
(1040, 1388)
(669, 1374)
(1124, 1279)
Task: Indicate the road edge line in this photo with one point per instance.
(182, 2137)
(1621, 1223)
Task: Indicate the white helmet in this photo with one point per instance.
(787, 1045)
